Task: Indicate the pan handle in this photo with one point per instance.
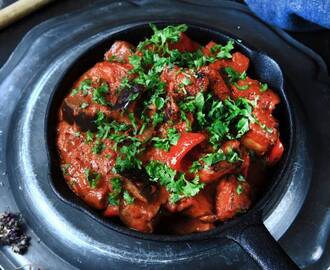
(256, 240)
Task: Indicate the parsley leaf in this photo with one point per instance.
(89, 136)
(239, 189)
(165, 143)
(195, 167)
(263, 87)
(65, 168)
(128, 198)
(133, 121)
(84, 86)
(161, 37)
(84, 105)
(159, 102)
(157, 119)
(116, 187)
(98, 94)
(92, 177)
(213, 158)
(241, 87)
(179, 187)
(98, 147)
(223, 52)
(127, 158)
(233, 75)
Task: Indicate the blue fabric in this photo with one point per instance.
(295, 15)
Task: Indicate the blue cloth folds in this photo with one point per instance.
(294, 15)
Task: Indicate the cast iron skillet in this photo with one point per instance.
(246, 230)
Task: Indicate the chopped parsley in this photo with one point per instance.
(224, 120)
(241, 87)
(175, 183)
(92, 177)
(165, 143)
(223, 52)
(161, 37)
(213, 158)
(65, 168)
(240, 178)
(98, 147)
(159, 102)
(239, 189)
(157, 119)
(233, 75)
(263, 87)
(83, 87)
(89, 136)
(128, 198)
(99, 92)
(127, 158)
(116, 187)
(84, 105)
(114, 58)
(133, 121)
(195, 167)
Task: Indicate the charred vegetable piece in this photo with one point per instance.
(128, 95)
(12, 232)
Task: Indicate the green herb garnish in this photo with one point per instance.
(83, 87)
(92, 177)
(98, 147)
(263, 87)
(175, 183)
(114, 196)
(165, 143)
(128, 198)
(98, 94)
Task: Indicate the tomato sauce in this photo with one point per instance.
(168, 131)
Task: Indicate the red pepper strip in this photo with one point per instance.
(111, 211)
(276, 153)
(186, 142)
(185, 44)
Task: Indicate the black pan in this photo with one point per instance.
(246, 230)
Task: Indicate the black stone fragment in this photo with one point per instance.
(12, 232)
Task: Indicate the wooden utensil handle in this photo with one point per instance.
(18, 10)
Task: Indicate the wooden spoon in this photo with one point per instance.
(18, 10)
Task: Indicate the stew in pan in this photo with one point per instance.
(169, 133)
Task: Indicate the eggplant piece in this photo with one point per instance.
(126, 95)
(136, 190)
(138, 185)
(135, 175)
(72, 113)
(86, 122)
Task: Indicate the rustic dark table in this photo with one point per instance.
(9, 37)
